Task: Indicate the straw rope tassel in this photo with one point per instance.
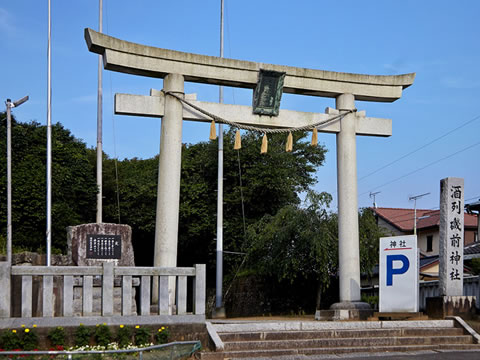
(315, 137)
(289, 146)
(238, 141)
(213, 131)
(264, 144)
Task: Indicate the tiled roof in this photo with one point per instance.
(428, 260)
(472, 249)
(403, 218)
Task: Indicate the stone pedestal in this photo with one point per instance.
(347, 310)
(440, 307)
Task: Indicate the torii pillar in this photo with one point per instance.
(176, 67)
(348, 248)
(169, 169)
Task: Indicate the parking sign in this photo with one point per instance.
(398, 274)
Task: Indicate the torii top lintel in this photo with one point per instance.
(132, 58)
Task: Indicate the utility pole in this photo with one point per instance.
(373, 195)
(10, 105)
(414, 198)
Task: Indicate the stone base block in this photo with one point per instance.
(354, 310)
(219, 313)
(440, 307)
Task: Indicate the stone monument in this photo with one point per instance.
(451, 300)
(93, 244)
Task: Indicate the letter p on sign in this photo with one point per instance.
(391, 270)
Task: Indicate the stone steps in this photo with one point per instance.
(346, 342)
(328, 334)
(270, 340)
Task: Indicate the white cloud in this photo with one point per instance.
(6, 25)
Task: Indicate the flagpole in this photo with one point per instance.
(99, 126)
(49, 137)
(220, 312)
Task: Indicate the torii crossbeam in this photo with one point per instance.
(176, 67)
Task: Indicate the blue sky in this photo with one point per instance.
(438, 40)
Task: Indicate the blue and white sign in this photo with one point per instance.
(398, 274)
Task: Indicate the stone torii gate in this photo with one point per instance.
(176, 67)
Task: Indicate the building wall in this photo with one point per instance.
(389, 229)
(422, 242)
(470, 236)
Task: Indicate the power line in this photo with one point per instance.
(422, 168)
(420, 148)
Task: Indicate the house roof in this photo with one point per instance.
(403, 218)
(472, 251)
(427, 261)
(473, 206)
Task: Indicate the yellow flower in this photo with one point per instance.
(98, 325)
(23, 326)
(27, 330)
(163, 327)
(160, 330)
(137, 326)
(121, 326)
(34, 326)
(14, 331)
(105, 324)
(81, 324)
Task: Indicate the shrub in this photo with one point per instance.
(10, 340)
(124, 336)
(29, 339)
(142, 335)
(103, 335)
(57, 336)
(162, 335)
(82, 335)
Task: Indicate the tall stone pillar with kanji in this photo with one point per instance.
(451, 301)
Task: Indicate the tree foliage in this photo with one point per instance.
(73, 188)
(301, 242)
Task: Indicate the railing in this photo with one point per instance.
(172, 289)
(170, 351)
(471, 287)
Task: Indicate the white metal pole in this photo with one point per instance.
(9, 182)
(10, 105)
(415, 217)
(99, 125)
(414, 198)
(219, 278)
(49, 138)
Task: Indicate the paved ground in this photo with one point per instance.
(419, 355)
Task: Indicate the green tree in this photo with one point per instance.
(301, 242)
(73, 187)
(137, 192)
(268, 182)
